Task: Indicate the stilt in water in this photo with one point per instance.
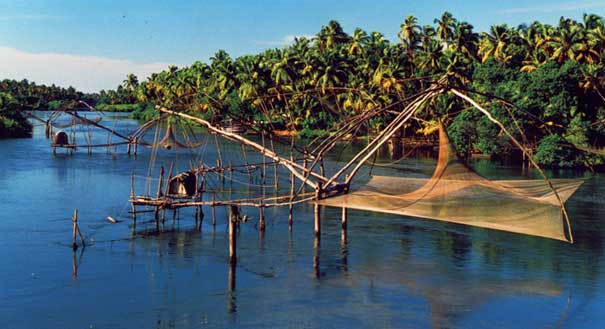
(317, 212)
(136, 143)
(132, 196)
(261, 220)
(316, 257)
(159, 194)
(233, 217)
(74, 219)
(213, 210)
(343, 232)
(291, 205)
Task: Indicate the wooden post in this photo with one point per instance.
(213, 210)
(264, 171)
(136, 144)
(132, 197)
(167, 191)
(317, 212)
(261, 220)
(316, 257)
(233, 214)
(291, 206)
(343, 232)
(128, 148)
(74, 219)
(159, 194)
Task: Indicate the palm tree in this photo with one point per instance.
(494, 44)
(331, 35)
(358, 42)
(445, 28)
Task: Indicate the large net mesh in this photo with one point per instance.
(455, 193)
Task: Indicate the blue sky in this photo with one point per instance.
(94, 44)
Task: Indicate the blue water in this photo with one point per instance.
(392, 272)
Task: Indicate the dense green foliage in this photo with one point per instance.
(554, 74)
(12, 121)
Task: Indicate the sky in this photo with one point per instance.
(93, 45)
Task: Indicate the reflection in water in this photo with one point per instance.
(76, 263)
(231, 294)
(385, 271)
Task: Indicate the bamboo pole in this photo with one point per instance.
(233, 214)
(292, 166)
(76, 230)
(132, 196)
(382, 138)
(261, 219)
(291, 206)
(213, 210)
(264, 169)
(317, 212)
(159, 193)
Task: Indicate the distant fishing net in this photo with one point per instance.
(155, 134)
(455, 193)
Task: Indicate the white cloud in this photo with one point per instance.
(556, 7)
(85, 73)
(286, 40)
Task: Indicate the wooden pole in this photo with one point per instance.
(316, 257)
(264, 171)
(261, 220)
(76, 230)
(291, 205)
(233, 214)
(235, 137)
(136, 144)
(213, 210)
(132, 197)
(344, 218)
(317, 212)
(74, 219)
(159, 194)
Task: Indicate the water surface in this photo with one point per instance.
(392, 272)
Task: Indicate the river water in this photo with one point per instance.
(393, 272)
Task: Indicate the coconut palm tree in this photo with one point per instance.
(445, 28)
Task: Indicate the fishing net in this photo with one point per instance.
(147, 136)
(456, 193)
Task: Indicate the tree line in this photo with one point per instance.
(546, 80)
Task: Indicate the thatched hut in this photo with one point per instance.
(183, 184)
(60, 138)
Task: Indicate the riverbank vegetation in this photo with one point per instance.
(553, 74)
